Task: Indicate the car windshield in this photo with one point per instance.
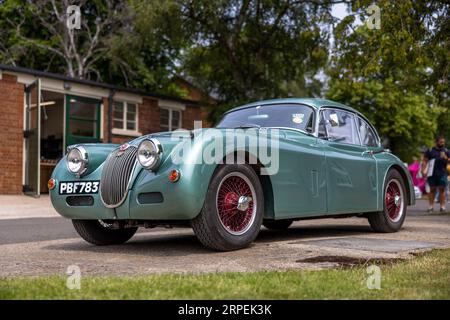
(294, 116)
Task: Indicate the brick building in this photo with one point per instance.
(42, 113)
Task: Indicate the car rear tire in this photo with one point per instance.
(233, 210)
(277, 224)
(94, 232)
(394, 209)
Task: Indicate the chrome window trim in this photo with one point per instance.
(355, 124)
(317, 111)
(377, 137)
(290, 129)
(355, 114)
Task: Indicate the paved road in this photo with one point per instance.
(35, 240)
(35, 229)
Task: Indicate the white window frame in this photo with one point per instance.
(124, 131)
(180, 121)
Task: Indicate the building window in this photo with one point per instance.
(170, 119)
(125, 117)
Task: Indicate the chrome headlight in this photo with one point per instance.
(77, 160)
(149, 153)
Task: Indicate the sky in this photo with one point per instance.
(339, 10)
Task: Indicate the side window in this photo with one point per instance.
(368, 136)
(340, 126)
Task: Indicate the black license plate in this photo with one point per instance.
(78, 187)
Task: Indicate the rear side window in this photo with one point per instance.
(368, 136)
(339, 126)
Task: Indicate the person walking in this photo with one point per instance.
(437, 159)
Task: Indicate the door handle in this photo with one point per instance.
(372, 152)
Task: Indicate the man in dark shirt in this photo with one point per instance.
(438, 179)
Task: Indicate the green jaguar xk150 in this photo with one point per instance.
(266, 163)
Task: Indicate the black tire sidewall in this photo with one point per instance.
(212, 216)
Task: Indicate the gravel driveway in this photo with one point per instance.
(34, 240)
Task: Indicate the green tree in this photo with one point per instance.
(154, 45)
(41, 27)
(128, 43)
(396, 75)
(249, 50)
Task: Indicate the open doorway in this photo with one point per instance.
(52, 134)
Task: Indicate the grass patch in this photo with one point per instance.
(424, 277)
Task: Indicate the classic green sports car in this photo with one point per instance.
(266, 163)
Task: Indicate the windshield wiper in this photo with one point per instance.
(247, 126)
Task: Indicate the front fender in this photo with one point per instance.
(387, 161)
(182, 199)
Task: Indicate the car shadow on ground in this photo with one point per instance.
(185, 242)
(307, 232)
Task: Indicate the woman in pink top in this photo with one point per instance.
(418, 179)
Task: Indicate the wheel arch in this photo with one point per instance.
(407, 181)
(245, 157)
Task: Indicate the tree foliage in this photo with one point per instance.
(41, 28)
(398, 75)
(242, 50)
(250, 50)
(121, 42)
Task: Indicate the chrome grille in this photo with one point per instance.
(116, 175)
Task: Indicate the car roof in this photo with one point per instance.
(315, 103)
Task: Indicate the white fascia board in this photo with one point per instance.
(127, 97)
(171, 104)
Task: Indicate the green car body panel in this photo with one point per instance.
(316, 177)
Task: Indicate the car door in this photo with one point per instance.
(300, 184)
(351, 167)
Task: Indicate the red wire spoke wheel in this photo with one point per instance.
(233, 209)
(394, 200)
(236, 203)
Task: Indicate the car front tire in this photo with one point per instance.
(233, 210)
(394, 209)
(94, 232)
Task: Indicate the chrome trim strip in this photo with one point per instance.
(356, 113)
